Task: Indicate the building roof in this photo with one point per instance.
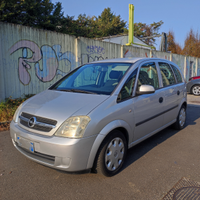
(122, 40)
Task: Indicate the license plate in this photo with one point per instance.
(24, 143)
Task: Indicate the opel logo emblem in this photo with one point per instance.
(32, 122)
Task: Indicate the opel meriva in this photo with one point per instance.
(91, 116)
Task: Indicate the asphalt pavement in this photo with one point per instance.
(151, 169)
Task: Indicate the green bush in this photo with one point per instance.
(8, 108)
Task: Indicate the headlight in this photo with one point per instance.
(16, 115)
(74, 127)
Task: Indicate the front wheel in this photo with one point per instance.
(181, 119)
(196, 90)
(111, 154)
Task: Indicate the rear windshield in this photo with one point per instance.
(98, 78)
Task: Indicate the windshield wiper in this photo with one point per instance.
(75, 90)
(66, 90)
(82, 91)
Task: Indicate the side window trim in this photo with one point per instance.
(172, 66)
(174, 74)
(132, 91)
(159, 75)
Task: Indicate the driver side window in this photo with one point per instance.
(148, 75)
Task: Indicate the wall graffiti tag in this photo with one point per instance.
(93, 53)
(50, 57)
(95, 49)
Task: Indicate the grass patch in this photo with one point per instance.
(8, 108)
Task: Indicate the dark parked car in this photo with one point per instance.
(193, 86)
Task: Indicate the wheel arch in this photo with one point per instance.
(184, 104)
(104, 133)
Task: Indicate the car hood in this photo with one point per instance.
(59, 105)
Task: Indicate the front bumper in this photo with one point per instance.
(56, 152)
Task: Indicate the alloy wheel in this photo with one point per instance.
(196, 90)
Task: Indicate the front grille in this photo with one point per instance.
(39, 119)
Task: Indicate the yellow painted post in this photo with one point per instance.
(131, 24)
(131, 28)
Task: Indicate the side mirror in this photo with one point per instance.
(146, 89)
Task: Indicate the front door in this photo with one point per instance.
(148, 108)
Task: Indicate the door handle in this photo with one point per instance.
(178, 92)
(160, 100)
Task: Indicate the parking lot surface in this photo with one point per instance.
(151, 169)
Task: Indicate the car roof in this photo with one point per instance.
(127, 60)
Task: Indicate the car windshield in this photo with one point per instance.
(98, 78)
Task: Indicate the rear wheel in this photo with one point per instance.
(196, 90)
(181, 119)
(111, 154)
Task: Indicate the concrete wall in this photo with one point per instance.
(31, 59)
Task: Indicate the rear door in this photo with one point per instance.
(173, 93)
(179, 82)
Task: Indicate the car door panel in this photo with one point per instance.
(172, 101)
(148, 113)
(148, 108)
(172, 92)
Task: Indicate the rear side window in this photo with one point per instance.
(177, 74)
(167, 74)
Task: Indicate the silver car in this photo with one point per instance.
(90, 117)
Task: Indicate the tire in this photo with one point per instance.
(181, 119)
(111, 154)
(196, 90)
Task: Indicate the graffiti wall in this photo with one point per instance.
(31, 60)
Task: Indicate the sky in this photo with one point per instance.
(178, 16)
